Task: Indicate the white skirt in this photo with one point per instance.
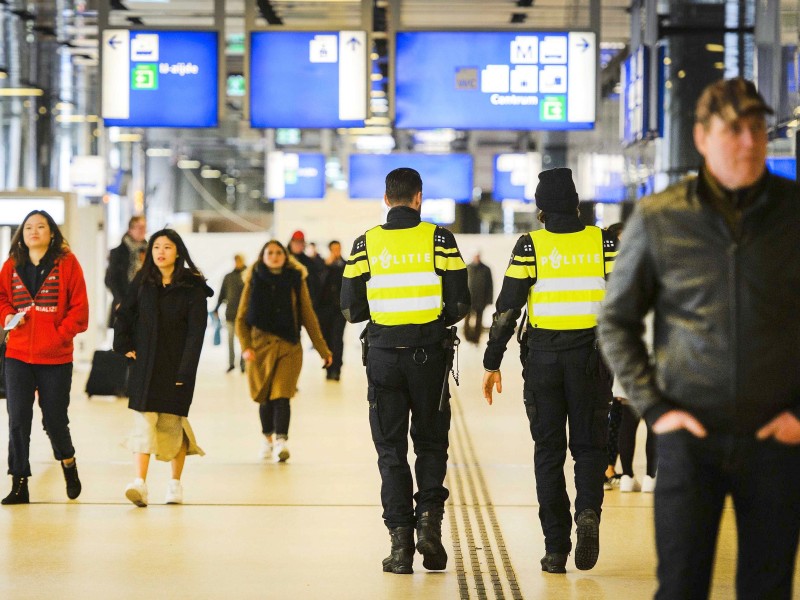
(161, 434)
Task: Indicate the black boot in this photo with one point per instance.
(402, 556)
(19, 491)
(554, 562)
(588, 547)
(71, 477)
(429, 540)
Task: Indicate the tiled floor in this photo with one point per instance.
(310, 528)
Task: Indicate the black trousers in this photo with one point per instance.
(403, 382)
(627, 443)
(275, 416)
(473, 324)
(567, 387)
(694, 477)
(332, 322)
(53, 383)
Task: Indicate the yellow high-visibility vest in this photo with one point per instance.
(570, 279)
(403, 287)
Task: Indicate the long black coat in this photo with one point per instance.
(137, 328)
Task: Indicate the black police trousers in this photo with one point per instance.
(567, 387)
(403, 382)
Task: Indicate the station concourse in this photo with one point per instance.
(310, 528)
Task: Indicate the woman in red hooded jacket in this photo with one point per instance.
(42, 280)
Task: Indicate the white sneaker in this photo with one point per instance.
(629, 484)
(648, 484)
(136, 492)
(281, 451)
(174, 492)
(266, 450)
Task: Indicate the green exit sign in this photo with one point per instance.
(144, 77)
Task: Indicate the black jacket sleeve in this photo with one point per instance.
(355, 307)
(630, 296)
(195, 332)
(126, 315)
(116, 278)
(450, 266)
(519, 277)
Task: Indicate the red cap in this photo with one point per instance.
(298, 235)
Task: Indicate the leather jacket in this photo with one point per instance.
(726, 305)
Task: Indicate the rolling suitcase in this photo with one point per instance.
(109, 375)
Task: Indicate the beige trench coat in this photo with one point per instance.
(274, 371)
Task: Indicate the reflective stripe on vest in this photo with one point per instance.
(570, 279)
(403, 288)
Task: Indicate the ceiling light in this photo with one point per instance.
(158, 152)
(188, 164)
(27, 92)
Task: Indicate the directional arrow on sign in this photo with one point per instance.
(353, 43)
(584, 45)
(114, 42)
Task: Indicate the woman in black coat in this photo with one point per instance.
(160, 325)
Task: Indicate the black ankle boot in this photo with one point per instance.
(554, 562)
(19, 491)
(402, 557)
(429, 540)
(71, 477)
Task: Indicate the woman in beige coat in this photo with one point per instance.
(275, 303)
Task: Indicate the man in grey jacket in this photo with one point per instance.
(716, 258)
(230, 292)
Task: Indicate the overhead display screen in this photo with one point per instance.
(495, 80)
(308, 79)
(292, 175)
(443, 175)
(160, 78)
(516, 175)
(785, 166)
(635, 101)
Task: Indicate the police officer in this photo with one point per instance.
(560, 271)
(409, 280)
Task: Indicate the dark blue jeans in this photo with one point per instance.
(399, 385)
(567, 387)
(694, 477)
(53, 383)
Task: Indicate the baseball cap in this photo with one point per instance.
(299, 235)
(730, 99)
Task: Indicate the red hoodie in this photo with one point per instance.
(58, 313)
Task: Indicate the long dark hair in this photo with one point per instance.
(185, 269)
(19, 251)
(285, 250)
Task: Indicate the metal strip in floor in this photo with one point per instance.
(476, 536)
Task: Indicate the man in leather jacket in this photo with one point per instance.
(716, 258)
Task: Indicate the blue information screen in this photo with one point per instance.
(635, 101)
(495, 80)
(160, 78)
(308, 79)
(785, 166)
(299, 176)
(512, 177)
(443, 175)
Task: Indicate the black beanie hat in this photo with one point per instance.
(555, 191)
